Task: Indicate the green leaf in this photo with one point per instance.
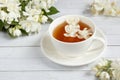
(5, 9)
(14, 23)
(10, 34)
(24, 32)
(23, 4)
(50, 19)
(53, 10)
(1, 25)
(44, 12)
(4, 30)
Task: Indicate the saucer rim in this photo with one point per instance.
(79, 64)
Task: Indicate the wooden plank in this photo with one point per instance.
(113, 40)
(34, 64)
(48, 75)
(31, 58)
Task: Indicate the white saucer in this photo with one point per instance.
(51, 53)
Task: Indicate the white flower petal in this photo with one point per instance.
(105, 7)
(30, 26)
(72, 20)
(3, 15)
(44, 19)
(104, 76)
(17, 32)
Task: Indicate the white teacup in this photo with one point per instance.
(76, 48)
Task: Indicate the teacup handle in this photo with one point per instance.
(101, 40)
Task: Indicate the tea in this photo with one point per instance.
(59, 31)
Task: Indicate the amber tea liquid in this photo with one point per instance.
(59, 31)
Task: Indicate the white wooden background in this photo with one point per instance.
(22, 59)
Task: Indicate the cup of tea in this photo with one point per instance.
(72, 35)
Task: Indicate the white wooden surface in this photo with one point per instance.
(22, 59)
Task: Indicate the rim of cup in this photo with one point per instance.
(63, 17)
